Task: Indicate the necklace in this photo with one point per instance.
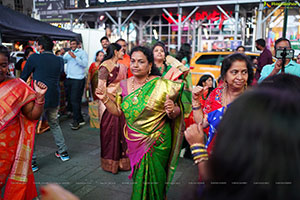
(224, 97)
(161, 68)
(135, 99)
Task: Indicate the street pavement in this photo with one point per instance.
(82, 174)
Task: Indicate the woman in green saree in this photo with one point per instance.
(154, 117)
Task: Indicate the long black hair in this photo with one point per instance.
(110, 52)
(185, 51)
(203, 79)
(149, 55)
(163, 46)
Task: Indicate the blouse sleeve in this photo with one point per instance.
(103, 73)
(119, 97)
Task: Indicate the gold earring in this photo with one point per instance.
(245, 86)
(149, 71)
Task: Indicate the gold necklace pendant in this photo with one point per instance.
(135, 99)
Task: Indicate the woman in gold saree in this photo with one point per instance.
(153, 112)
(20, 107)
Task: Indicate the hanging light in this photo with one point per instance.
(155, 34)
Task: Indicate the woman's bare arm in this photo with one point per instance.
(34, 109)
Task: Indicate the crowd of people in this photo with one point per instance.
(238, 132)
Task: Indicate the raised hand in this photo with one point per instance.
(40, 87)
(198, 91)
(72, 54)
(278, 65)
(194, 134)
(169, 105)
(101, 90)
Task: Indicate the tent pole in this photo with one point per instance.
(0, 38)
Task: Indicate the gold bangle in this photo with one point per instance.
(198, 151)
(197, 144)
(201, 156)
(107, 99)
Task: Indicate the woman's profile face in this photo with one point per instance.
(139, 64)
(159, 53)
(208, 82)
(3, 67)
(237, 75)
(120, 54)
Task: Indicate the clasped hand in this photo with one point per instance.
(169, 105)
(194, 134)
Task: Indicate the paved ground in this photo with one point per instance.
(82, 174)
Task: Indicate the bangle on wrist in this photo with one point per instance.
(196, 108)
(197, 145)
(39, 102)
(200, 160)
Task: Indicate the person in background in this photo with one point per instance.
(160, 53)
(19, 66)
(237, 74)
(240, 49)
(48, 68)
(92, 79)
(28, 51)
(206, 81)
(291, 67)
(105, 43)
(57, 53)
(126, 58)
(264, 58)
(184, 54)
(272, 118)
(298, 59)
(113, 145)
(77, 61)
(172, 69)
(21, 107)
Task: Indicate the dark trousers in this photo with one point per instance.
(75, 89)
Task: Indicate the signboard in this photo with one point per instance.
(52, 11)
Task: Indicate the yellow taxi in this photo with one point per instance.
(210, 63)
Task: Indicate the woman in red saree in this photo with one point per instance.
(92, 79)
(237, 74)
(20, 108)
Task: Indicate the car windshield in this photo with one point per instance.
(207, 60)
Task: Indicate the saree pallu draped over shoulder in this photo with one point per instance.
(152, 138)
(113, 145)
(16, 141)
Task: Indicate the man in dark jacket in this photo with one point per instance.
(47, 67)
